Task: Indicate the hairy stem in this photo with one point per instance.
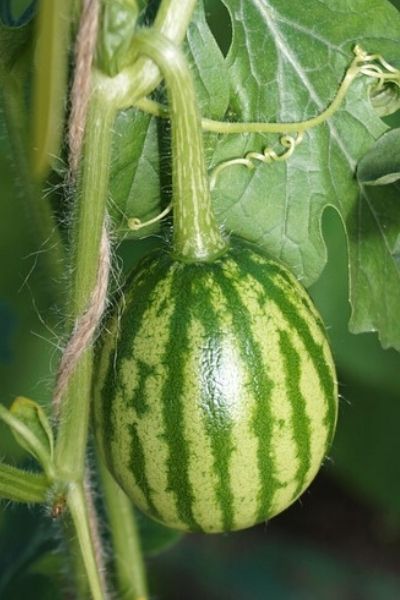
(78, 509)
(127, 554)
(196, 233)
(89, 218)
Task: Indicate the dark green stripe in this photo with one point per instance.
(137, 466)
(172, 399)
(288, 278)
(139, 400)
(300, 422)
(264, 275)
(142, 286)
(261, 387)
(215, 404)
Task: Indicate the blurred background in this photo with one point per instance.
(341, 540)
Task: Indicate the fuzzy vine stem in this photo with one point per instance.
(127, 553)
(78, 509)
(88, 219)
(196, 234)
(70, 450)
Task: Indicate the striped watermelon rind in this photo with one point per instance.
(216, 393)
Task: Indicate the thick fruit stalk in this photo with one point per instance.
(196, 234)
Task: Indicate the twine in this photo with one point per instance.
(85, 49)
(86, 325)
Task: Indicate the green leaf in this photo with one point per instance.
(21, 486)
(31, 436)
(134, 177)
(33, 416)
(367, 436)
(374, 238)
(381, 164)
(285, 64)
(141, 146)
(118, 23)
(361, 356)
(208, 66)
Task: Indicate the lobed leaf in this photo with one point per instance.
(285, 63)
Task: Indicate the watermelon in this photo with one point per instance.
(215, 394)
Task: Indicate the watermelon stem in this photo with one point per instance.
(196, 234)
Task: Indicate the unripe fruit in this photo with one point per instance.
(216, 394)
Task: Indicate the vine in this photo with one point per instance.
(370, 65)
(363, 63)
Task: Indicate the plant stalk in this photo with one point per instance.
(197, 237)
(127, 553)
(79, 513)
(88, 223)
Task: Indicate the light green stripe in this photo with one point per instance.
(216, 406)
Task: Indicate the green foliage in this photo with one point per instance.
(140, 171)
(367, 440)
(21, 486)
(32, 415)
(118, 21)
(299, 79)
(381, 164)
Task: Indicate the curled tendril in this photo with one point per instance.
(374, 65)
(363, 63)
(267, 156)
(135, 223)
